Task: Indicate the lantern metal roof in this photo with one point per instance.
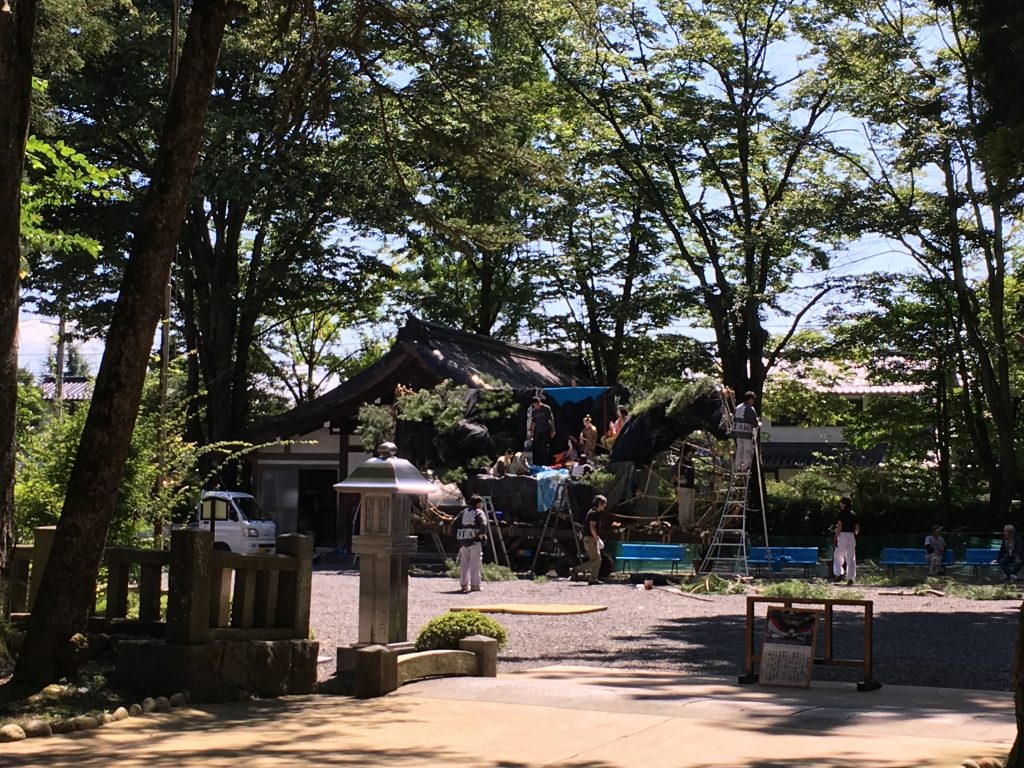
(388, 474)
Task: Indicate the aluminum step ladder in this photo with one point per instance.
(494, 532)
(729, 547)
(559, 508)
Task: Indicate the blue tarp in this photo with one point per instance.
(563, 395)
(547, 486)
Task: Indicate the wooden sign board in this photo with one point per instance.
(788, 653)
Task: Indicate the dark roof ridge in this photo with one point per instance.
(410, 332)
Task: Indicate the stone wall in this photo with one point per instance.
(217, 670)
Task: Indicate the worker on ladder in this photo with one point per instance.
(745, 428)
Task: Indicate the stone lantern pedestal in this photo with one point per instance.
(385, 545)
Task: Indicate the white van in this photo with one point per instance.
(240, 524)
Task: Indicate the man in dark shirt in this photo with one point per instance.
(592, 543)
(542, 431)
(686, 485)
(846, 530)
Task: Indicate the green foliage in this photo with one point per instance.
(444, 632)
(677, 396)
(791, 402)
(376, 425)
(31, 406)
(489, 571)
(444, 405)
(56, 175)
(497, 404)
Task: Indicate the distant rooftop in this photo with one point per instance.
(75, 388)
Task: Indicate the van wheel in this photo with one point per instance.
(220, 546)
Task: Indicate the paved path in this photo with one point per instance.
(558, 716)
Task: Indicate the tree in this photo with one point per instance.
(731, 154)
(463, 100)
(17, 31)
(931, 196)
(66, 588)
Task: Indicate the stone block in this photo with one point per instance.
(178, 700)
(149, 704)
(486, 650)
(163, 704)
(85, 723)
(12, 732)
(36, 729)
(376, 671)
(270, 669)
(120, 714)
(302, 676)
(62, 726)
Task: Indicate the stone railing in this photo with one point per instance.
(381, 670)
(210, 595)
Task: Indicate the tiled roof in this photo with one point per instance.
(74, 389)
(799, 455)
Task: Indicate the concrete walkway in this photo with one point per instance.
(559, 716)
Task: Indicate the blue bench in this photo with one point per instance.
(910, 556)
(980, 558)
(666, 553)
(807, 557)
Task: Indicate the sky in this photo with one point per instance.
(36, 337)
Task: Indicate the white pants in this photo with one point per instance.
(686, 497)
(744, 454)
(845, 554)
(471, 561)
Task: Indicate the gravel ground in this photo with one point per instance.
(936, 641)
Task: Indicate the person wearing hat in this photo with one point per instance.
(542, 431)
(935, 550)
(470, 532)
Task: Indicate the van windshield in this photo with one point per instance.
(251, 508)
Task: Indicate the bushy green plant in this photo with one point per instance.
(376, 425)
(489, 572)
(444, 632)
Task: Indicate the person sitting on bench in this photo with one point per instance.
(935, 549)
(1011, 553)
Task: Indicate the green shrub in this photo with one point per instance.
(444, 632)
(489, 572)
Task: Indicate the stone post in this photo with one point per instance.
(486, 650)
(295, 588)
(376, 671)
(188, 597)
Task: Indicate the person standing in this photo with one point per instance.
(471, 532)
(588, 437)
(592, 543)
(935, 550)
(846, 531)
(686, 486)
(1011, 553)
(745, 426)
(542, 431)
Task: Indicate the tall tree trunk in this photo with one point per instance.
(67, 587)
(17, 30)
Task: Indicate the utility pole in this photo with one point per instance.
(58, 374)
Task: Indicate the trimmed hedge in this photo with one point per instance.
(444, 632)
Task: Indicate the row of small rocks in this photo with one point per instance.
(37, 728)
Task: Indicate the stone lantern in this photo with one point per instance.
(384, 543)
